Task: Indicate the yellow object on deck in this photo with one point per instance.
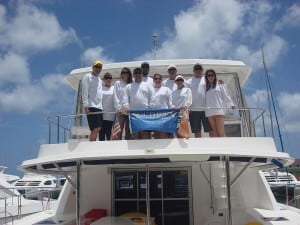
(138, 218)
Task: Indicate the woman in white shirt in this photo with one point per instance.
(162, 99)
(182, 99)
(108, 107)
(119, 92)
(216, 100)
(182, 96)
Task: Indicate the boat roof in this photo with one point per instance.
(184, 66)
(55, 158)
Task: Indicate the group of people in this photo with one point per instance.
(203, 98)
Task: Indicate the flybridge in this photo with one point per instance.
(184, 67)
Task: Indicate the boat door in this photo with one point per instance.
(170, 200)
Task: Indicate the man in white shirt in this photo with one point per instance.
(137, 96)
(145, 71)
(92, 99)
(197, 115)
(170, 82)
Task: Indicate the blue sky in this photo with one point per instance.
(43, 40)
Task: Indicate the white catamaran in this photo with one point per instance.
(196, 181)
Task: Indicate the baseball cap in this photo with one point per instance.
(97, 63)
(171, 66)
(179, 77)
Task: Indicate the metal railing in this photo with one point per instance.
(245, 117)
(14, 202)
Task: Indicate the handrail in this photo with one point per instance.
(19, 196)
(5, 216)
(56, 120)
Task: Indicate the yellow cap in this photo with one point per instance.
(97, 62)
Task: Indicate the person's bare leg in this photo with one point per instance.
(94, 134)
(198, 134)
(127, 130)
(145, 135)
(163, 135)
(213, 132)
(121, 122)
(220, 125)
(136, 135)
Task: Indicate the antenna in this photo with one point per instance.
(273, 103)
(154, 38)
(268, 89)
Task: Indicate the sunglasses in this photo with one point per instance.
(107, 78)
(198, 68)
(125, 72)
(157, 78)
(179, 80)
(172, 69)
(98, 67)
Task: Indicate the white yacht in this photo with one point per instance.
(13, 205)
(7, 177)
(38, 186)
(195, 181)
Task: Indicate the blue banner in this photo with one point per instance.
(164, 120)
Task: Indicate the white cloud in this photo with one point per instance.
(290, 108)
(2, 16)
(38, 96)
(33, 30)
(291, 17)
(258, 99)
(14, 69)
(287, 109)
(225, 30)
(29, 31)
(92, 54)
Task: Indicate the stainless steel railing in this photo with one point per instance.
(59, 130)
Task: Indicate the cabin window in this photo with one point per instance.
(170, 194)
(47, 182)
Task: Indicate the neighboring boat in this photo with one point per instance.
(285, 187)
(276, 178)
(38, 186)
(7, 177)
(13, 205)
(204, 181)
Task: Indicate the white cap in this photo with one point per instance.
(178, 77)
(171, 66)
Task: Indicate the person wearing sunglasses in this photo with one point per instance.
(182, 96)
(217, 100)
(119, 91)
(182, 99)
(108, 107)
(170, 82)
(92, 99)
(197, 114)
(162, 99)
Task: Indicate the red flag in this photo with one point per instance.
(116, 130)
